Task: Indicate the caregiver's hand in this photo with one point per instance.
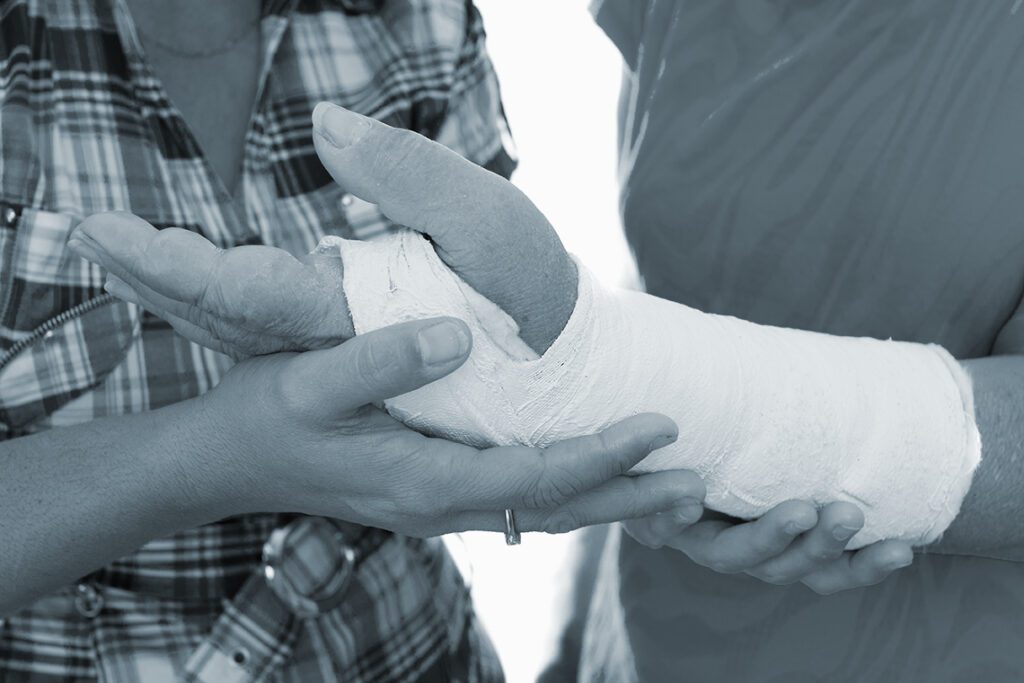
(792, 543)
(482, 226)
(298, 434)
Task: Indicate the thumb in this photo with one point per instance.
(416, 182)
(483, 227)
(382, 364)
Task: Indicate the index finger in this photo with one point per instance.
(173, 262)
(728, 547)
(535, 478)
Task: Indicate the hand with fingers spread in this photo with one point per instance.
(792, 543)
(300, 435)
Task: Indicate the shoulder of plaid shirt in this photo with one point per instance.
(85, 128)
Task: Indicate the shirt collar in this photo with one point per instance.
(349, 6)
(361, 6)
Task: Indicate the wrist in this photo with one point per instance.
(198, 455)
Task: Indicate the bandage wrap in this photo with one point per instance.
(765, 414)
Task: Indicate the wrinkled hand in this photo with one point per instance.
(792, 543)
(256, 300)
(482, 226)
(298, 433)
(245, 301)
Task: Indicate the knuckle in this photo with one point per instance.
(722, 565)
(824, 553)
(367, 362)
(695, 485)
(555, 484)
(286, 391)
(598, 450)
(650, 540)
(213, 294)
(772, 577)
(764, 545)
(163, 239)
(833, 554)
(394, 158)
(640, 530)
(151, 261)
(562, 523)
(603, 441)
(416, 502)
(413, 484)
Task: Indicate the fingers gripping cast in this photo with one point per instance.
(765, 414)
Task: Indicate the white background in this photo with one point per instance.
(559, 76)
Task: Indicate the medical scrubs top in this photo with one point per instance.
(855, 168)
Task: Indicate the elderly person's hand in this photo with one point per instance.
(483, 227)
(246, 301)
(494, 237)
(488, 232)
(254, 300)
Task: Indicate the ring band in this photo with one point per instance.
(512, 536)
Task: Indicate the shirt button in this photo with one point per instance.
(347, 200)
(88, 600)
(10, 216)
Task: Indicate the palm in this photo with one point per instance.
(245, 301)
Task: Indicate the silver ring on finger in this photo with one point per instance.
(512, 536)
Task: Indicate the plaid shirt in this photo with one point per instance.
(85, 126)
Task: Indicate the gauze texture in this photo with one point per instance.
(765, 414)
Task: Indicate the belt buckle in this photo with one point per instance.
(325, 590)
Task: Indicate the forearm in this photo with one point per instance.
(765, 414)
(989, 523)
(73, 499)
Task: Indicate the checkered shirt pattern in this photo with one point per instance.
(85, 126)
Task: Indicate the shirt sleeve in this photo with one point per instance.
(623, 22)
(473, 122)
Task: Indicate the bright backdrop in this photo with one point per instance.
(559, 76)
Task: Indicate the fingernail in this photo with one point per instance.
(120, 289)
(339, 126)
(82, 249)
(901, 563)
(661, 441)
(794, 528)
(689, 513)
(844, 533)
(442, 343)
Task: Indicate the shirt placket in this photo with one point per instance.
(207, 204)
